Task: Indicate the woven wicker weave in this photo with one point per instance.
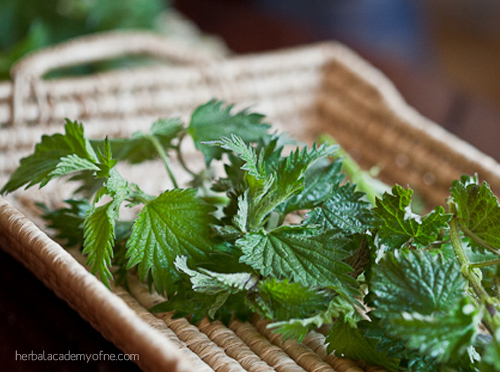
(306, 91)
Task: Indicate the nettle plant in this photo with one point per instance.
(287, 235)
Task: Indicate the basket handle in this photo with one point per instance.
(28, 73)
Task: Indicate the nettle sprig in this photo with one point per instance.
(284, 233)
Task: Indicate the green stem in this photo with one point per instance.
(163, 155)
(484, 264)
(468, 271)
(478, 240)
(181, 159)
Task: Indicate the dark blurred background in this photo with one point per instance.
(443, 56)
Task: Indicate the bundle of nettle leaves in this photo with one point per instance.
(284, 234)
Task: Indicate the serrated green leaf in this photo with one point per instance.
(196, 305)
(491, 357)
(298, 328)
(99, 235)
(319, 180)
(281, 300)
(344, 210)
(106, 161)
(214, 283)
(212, 121)
(72, 163)
(139, 147)
(68, 221)
(415, 282)
(445, 337)
(42, 166)
(245, 152)
(298, 254)
(397, 225)
(286, 181)
(350, 342)
(176, 223)
(478, 209)
(421, 299)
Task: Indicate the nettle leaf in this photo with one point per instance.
(68, 221)
(99, 235)
(415, 281)
(421, 298)
(213, 121)
(71, 149)
(491, 357)
(251, 163)
(299, 254)
(319, 181)
(175, 223)
(213, 283)
(445, 337)
(350, 342)
(397, 225)
(478, 209)
(286, 181)
(139, 147)
(345, 210)
(281, 300)
(196, 305)
(298, 327)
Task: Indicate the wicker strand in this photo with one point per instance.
(316, 342)
(303, 355)
(233, 345)
(260, 345)
(68, 279)
(197, 341)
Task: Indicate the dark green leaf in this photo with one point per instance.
(300, 254)
(319, 180)
(139, 147)
(478, 209)
(282, 300)
(349, 342)
(415, 281)
(298, 328)
(398, 225)
(213, 121)
(68, 222)
(344, 210)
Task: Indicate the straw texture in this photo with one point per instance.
(324, 88)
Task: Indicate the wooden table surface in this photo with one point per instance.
(34, 319)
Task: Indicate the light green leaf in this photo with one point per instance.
(176, 223)
(398, 225)
(42, 166)
(213, 283)
(300, 254)
(99, 235)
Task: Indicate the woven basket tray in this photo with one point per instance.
(323, 88)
